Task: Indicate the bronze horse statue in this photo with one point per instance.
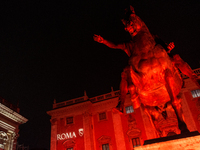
(152, 77)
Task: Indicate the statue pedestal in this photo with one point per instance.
(175, 143)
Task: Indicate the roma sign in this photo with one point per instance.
(69, 135)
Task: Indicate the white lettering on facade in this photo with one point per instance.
(58, 137)
(64, 136)
(74, 134)
(68, 135)
(80, 131)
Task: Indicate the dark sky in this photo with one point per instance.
(47, 51)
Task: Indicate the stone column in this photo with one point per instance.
(14, 137)
(10, 140)
(118, 129)
(88, 134)
(53, 145)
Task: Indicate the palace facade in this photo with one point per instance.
(10, 119)
(90, 124)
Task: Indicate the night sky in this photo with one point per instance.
(47, 51)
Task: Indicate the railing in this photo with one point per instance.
(70, 102)
(85, 98)
(196, 71)
(9, 105)
(104, 96)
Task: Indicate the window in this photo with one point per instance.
(129, 109)
(102, 116)
(69, 120)
(198, 104)
(136, 142)
(105, 142)
(198, 80)
(69, 144)
(195, 93)
(105, 147)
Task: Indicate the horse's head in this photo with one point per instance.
(133, 24)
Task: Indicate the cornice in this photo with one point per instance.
(11, 114)
(70, 110)
(82, 107)
(6, 126)
(104, 105)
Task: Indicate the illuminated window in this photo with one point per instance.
(70, 148)
(136, 142)
(69, 120)
(129, 109)
(102, 116)
(195, 93)
(105, 147)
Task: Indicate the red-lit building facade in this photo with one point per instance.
(90, 124)
(10, 119)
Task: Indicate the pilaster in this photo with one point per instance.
(88, 134)
(118, 129)
(53, 134)
(15, 135)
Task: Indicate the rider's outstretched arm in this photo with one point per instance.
(100, 39)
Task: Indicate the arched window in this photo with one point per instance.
(69, 144)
